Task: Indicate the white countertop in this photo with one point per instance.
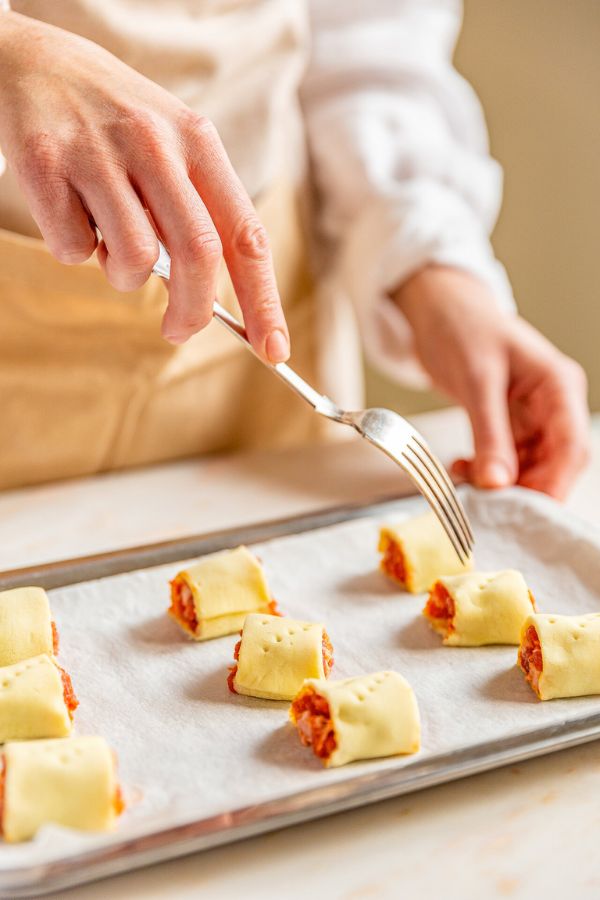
(520, 832)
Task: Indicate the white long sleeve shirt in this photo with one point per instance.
(400, 159)
(396, 138)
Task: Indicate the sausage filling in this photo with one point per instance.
(118, 801)
(312, 717)
(327, 659)
(440, 609)
(530, 658)
(71, 701)
(393, 562)
(184, 611)
(182, 605)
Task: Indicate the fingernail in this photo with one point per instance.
(277, 347)
(496, 474)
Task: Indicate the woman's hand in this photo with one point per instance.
(527, 402)
(91, 140)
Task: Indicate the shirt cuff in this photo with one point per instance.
(421, 223)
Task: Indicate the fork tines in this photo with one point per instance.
(434, 483)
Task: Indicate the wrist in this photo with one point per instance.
(437, 292)
(424, 289)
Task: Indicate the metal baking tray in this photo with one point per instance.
(354, 791)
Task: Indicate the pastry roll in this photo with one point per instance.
(417, 552)
(275, 655)
(479, 608)
(26, 626)
(560, 655)
(214, 596)
(65, 781)
(36, 700)
(358, 718)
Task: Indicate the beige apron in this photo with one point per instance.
(86, 382)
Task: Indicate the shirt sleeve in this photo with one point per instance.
(400, 160)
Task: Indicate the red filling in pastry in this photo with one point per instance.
(311, 715)
(184, 611)
(530, 658)
(393, 562)
(327, 659)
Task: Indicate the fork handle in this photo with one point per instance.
(291, 378)
(318, 401)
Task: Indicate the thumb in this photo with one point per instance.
(495, 464)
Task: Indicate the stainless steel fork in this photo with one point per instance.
(381, 427)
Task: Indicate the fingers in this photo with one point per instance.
(194, 246)
(461, 470)
(129, 248)
(178, 165)
(62, 219)
(495, 464)
(562, 450)
(550, 479)
(244, 239)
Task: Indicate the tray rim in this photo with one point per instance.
(80, 569)
(193, 835)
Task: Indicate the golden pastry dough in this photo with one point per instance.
(479, 608)
(417, 552)
(25, 625)
(32, 701)
(276, 654)
(66, 781)
(560, 655)
(214, 596)
(359, 718)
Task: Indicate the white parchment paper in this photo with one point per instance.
(188, 748)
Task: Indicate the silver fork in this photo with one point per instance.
(381, 427)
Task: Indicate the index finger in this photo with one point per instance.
(245, 242)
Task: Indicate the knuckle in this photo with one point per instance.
(146, 129)
(198, 125)
(203, 248)
(250, 240)
(565, 373)
(138, 254)
(578, 374)
(267, 306)
(41, 159)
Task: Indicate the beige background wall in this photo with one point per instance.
(536, 67)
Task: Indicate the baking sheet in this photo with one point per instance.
(189, 750)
